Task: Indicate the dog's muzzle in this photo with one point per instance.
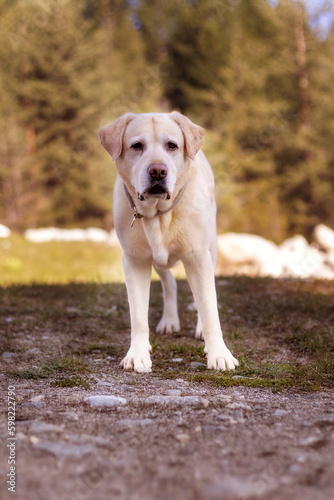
(157, 181)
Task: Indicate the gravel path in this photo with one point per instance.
(152, 439)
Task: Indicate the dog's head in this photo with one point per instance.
(153, 151)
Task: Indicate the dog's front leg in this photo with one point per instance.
(200, 274)
(138, 278)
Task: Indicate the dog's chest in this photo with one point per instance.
(162, 240)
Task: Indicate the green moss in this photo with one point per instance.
(54, 366)
(72, 382)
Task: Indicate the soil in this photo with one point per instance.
(173, 438)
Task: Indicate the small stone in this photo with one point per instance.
(312, 441)
(42, 427)
(237, 414)
(191, 307)
(223, 282)
(40, 397)
(238, 406)
(183, 438)
(177, 360)
(73, 310)
(34, 350)
(195, 365)
(64, 450)
(33, 404)
(231, 487)
(105, 401)
(20, 436)
(173, 392)
(8, 355)
(128, 422)
(280, 413)
(205, 402)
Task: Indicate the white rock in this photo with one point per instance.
(41, 235)
(324, 236)
(71, 235)
(5, 232)
(97, 235)
(296, 245)
(45, 234)
(239, 248)
(105, 401)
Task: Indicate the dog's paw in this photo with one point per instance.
(138, 361)
(168, 325)
(221, 359)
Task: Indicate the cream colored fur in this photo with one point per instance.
(186, 232)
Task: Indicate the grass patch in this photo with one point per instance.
(54, 367)
(72, 382)
(23, 262)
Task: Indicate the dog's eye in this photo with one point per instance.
(138, 146)
(172, 146)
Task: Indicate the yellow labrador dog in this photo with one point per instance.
(164, 211)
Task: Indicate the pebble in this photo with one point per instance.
(174, 400)
(64, 450)
(41, 427)
(191, 307)
(129, 422)
(33, 404)
(230, 488)
(238, 406)
(173, 392)
(177, 360)
(8, 355)
(280, 413)
(183, 438)
(311, 441)
(104, 401)
(195, 365)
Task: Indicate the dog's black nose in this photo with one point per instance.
(157, 171)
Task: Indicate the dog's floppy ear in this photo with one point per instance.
(193, 134)
(111, 136)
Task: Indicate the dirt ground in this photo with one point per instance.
(176, 434)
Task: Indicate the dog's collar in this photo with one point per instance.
(137, 215)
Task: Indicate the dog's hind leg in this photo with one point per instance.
(170, 319)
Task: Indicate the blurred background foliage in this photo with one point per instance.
(258, 75)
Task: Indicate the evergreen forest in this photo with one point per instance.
(256, 74)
